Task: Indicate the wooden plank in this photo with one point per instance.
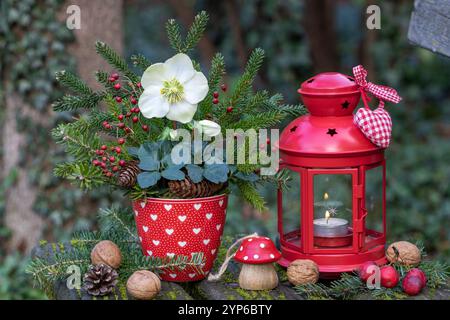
(430, 25)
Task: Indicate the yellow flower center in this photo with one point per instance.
(172, 90)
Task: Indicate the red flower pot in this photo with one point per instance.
(168, 227)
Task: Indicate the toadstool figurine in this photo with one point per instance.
(257, 255)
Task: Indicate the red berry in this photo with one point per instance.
(121, 141)
(389, 277)
(103, 165)
(95, 162)
(268, 141)
(122, 163)
(119, 99)
(104, 147)
(104, 159)
(215, 101)
(133, 100)
(139, 85)
(419, 273)
(145, 127)
(120, 117)
(117, 86)
(412, 285)
(223, 87)
(115, 168)
(108, 126)
(121, 125)
(127, 130)
(135, 119)
(230, 109)
(128, 114)
(115, 76)
(99, 152)
(215, 94)
(363, 270)
(105, 123)
(118, 150)
(112, 159)
(109, 174)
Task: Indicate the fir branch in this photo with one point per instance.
(250, 194)
(71, 81)
(70, 102)
(260, 120)
(246, 80)
(174, 35)
(196, 30)
(216, 73)
(77, 139)
(119, 221)
(140, 61)
(82, 173)
(115, 60)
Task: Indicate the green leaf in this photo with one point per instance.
(173, 173)
(195, 172)
(148, 179)
(216, 173)
(148, 158)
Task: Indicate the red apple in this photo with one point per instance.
(412, 285)
(419, 273)
(389, 277)
(363, 270)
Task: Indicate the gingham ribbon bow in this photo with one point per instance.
(383, 93)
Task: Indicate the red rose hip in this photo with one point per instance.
(389, 277)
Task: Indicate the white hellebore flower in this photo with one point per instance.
(208, 128)
(172, 89)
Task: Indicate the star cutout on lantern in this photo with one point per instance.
(332, 132)
(293, 128)
(345, 104)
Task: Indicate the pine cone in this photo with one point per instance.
(128, 174)
(100, 280)
(187, 189)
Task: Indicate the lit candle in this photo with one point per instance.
(330, 227)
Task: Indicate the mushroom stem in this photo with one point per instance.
(258, 277)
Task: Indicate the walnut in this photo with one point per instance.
(143, 285)
(403, 252)
(302, 272)
(106, 252)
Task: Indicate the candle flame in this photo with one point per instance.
(327, 215)
(325, 196)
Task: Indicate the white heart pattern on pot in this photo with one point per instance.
(167, 207)
(145, 228)
(154, 217)
(196, 230)
(218, 227)
(220, 203)
(171, 255)
(169, 231)
(136, 213)
(206, 241)
(155, 242)
(197, 206)
(142, 205)
(182, 218)
(209, 216)
(173, 275)
(149, 252)
(182, 243)
(191, 275)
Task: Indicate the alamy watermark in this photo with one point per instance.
(374, 19)
(73, 20)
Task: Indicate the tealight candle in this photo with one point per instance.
(330, 227)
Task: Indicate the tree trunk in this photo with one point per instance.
(320, 30)
(100, 20)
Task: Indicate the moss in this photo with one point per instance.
(122, 290)
(282, 274)
(42, 242)
(281, 296)
(172, 295)
(61, 247)
(54, 247)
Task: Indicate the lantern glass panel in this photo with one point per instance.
(292, 205)
(374, 199)
(333, 199)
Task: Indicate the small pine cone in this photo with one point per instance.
(100, 280)
(128, 174)
(187, 189)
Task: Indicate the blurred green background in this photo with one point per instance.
(300, 38)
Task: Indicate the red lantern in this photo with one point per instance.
(341, 176)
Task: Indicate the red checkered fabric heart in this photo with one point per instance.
(376, 125)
